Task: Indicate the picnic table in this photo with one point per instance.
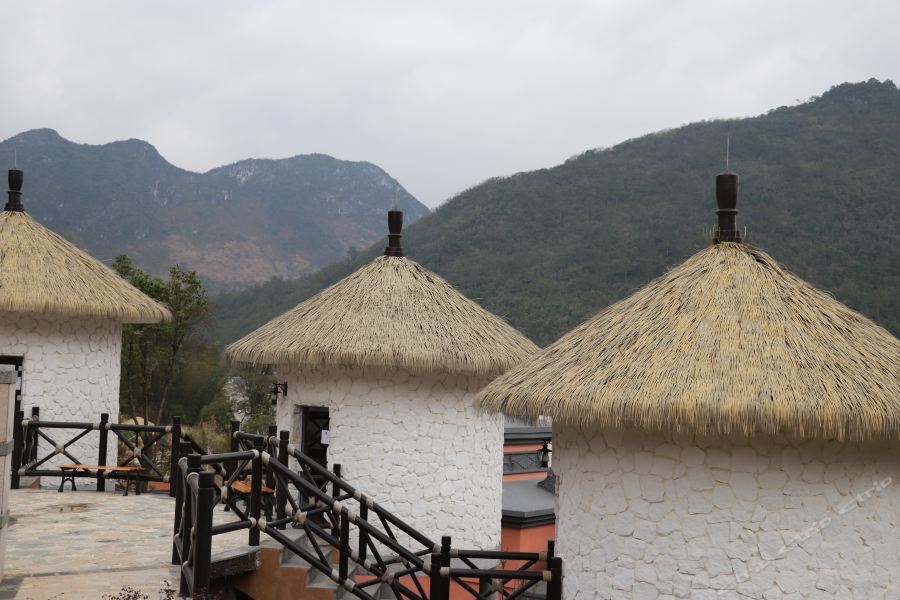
(70, 471)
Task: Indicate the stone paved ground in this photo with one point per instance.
(86, 544)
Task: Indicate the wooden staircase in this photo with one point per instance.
(273, 572)
(316, 562)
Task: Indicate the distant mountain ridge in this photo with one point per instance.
(236, 224)
(820, 192)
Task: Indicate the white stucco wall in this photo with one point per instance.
(416, 444)
(653, 516)
(71, 371)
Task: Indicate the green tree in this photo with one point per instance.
(197, 389)
(255, 401)
(152, 354)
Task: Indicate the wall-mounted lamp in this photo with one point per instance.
(545, 455)
(278, 388)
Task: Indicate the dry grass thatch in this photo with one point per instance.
(41, 272)
(392, 313)
(727, 342)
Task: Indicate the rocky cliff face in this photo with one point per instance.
(236, 224)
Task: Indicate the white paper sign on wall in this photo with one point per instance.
(326, 436)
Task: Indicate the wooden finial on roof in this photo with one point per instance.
(14, 202)
(395, 225)
(726, 198)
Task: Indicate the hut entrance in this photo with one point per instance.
(314, 433)
(314, 441)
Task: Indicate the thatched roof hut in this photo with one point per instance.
(41, 272)
(728, 341)
(706, 426)
(392, 313)
(388, 362)
(61, 318)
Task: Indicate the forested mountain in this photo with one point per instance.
(237, 224)
(820, 191)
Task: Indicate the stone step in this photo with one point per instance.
(325, 590)
(291, 558)
(234, 561)
(293, 576)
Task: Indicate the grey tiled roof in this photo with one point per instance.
(527, 503)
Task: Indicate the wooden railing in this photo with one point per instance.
(192, 543)
(329, 509)
(27, 462)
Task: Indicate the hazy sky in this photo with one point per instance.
(442, 96)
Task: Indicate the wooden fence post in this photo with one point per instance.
(175, 447)
(434, 587)
(231, 465)
(344, 550)
(336, 488)
(256, 480)
(101, 455)
(203, 533)
(33, 431)
(177, 482)
(18, 443)
(335, 492)
(445, 562)
(270, 474)
(363, 533)
(187, 524)
(554, 587)
(281, 485)
(18, 407)
(485, 585)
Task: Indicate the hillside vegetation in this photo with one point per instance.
(234, 225)
(820, 191)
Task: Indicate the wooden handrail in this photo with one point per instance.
(374, 524)
(28, 431)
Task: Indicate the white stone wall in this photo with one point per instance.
(654, 516)
(71, 371)
(7, 404)
(416, 444)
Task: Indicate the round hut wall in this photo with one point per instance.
(415, 443)
(643, 515)
(71, 368)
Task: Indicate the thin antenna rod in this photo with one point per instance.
(15, 158)
(727, 150)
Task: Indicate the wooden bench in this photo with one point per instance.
(242, 490)
(69, 474)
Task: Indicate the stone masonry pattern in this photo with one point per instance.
(71, 371)
(659, 516)
(416, 444)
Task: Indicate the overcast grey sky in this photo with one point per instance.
(442, 96)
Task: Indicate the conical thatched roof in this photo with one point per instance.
(727, 342)
(391, 313)
(41, 272)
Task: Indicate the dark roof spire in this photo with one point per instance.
(14, 203)
(726, 198)
(395, 225)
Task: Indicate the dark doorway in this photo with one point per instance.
(313, 442)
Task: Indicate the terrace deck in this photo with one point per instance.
(86, 544)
